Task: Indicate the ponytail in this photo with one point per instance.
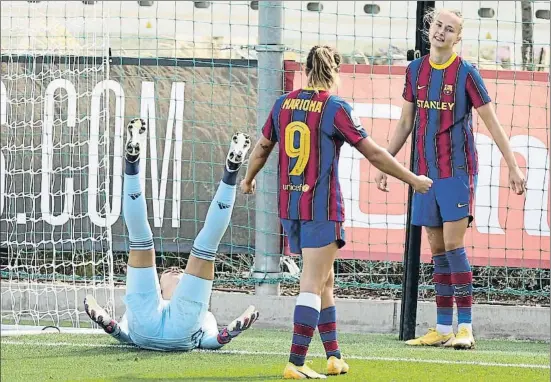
(322, 67)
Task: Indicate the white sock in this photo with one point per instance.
(444, 329)
(309, 299)
(468, 326)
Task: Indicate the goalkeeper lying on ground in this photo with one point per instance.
(172, 313)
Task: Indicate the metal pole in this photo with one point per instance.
(270, 87)
(412, 252)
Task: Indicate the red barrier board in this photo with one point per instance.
(508, 230)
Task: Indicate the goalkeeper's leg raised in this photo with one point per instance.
(143, 293)
(191, 297)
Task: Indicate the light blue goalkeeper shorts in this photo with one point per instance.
(157, 324)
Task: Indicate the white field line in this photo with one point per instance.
(261, 342)
(245, 352)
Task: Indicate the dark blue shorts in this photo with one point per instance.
(448, 200)
(312, 234)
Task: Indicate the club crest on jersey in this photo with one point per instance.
(355, 120)
(448, 89)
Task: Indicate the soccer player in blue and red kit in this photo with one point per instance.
(441, 89)
(311, 125)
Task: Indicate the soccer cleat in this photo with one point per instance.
(464, 339)
(301, 372)
(433, 338)
(135, 138)
(100, 316)
(336, 366)
(240, 145)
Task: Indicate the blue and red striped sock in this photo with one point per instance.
(444, 294)
(306, 317)
(462, 280)
(327, 326)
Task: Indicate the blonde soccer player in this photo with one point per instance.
(310, 125)
(440, 91)
(171, 313)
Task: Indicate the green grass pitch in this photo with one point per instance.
(260, 355)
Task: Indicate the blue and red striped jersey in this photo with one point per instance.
(310, 128)
(444, 96)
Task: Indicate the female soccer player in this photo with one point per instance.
(440, 91)
(311, 125)
(172, 313)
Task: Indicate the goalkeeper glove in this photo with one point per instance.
(100, 316)
(237, 326)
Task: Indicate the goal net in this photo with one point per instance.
(57, 161)
(73, 73)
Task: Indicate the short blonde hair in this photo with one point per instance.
(432, 15)
(322, 67)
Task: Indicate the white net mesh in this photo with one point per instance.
(191, 69)
(55, 252)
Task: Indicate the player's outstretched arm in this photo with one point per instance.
(403, 128)
(213, 340)
(102, 318)
(401, 134)
(385, 162)
(517, 179)
(257, 160)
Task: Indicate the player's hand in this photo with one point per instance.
(422, 184)
(381, 180)
(239, 325)
(517, 180)
(248, 187)
(100, 316)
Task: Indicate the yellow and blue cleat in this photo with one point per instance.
(433, 338)
(301, 372)
(336, 366)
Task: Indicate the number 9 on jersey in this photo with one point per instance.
(302, 152)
